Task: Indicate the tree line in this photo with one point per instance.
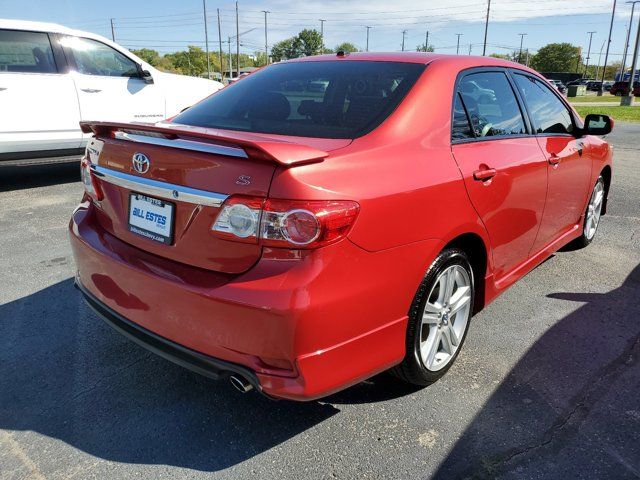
(554, 57)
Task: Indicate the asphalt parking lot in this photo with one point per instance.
(547, 385)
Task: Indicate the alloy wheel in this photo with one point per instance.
(445, 317)
(594, 210)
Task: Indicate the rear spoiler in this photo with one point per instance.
(222, 142)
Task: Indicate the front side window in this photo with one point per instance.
(95, 58)
(26, 52)
(491, 105)
(332, 99)
(548, 113)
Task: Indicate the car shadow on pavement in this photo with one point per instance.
(67, 375)
(570, 408)
(18, 178)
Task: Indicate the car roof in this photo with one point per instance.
(12, 24)
(454, 61)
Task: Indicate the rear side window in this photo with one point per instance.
(95, 58)
(491, 105)
(26, 52)
(461, 128)
(548, 113)
(335, 99)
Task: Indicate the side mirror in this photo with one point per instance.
(146, 76)
(597, 124)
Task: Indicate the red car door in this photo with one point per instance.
(569, 169)
(503, 169)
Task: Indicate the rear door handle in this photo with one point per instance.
(484, 174)
(91, 90)
(554, 160)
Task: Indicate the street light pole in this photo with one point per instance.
(220, 47)
(113, 32)
(322, 35)
(626, 43)
(627, 100)
(606, 55)
(586, 68)
(266, 47)
(486, 28)
(368, 28)
(206, 38)
(458, 45)
(404, 33)
(237, 43)
(522, 35)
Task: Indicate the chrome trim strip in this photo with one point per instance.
(155, 188)
(183, 144)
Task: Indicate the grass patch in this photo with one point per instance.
(607, 97)
(618, 113)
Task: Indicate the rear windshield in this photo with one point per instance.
(336, 99)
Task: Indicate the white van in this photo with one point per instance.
(52, 77)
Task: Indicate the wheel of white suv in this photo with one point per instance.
(438, 319)
(592, 214)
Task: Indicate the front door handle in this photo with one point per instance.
(91, 90)
(484, 174)
(554, 160)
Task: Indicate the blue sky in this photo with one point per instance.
(168, 25)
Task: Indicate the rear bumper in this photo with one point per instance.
(298, 325)
(204, 365)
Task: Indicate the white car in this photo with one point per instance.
(52, 77)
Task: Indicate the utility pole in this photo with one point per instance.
(404, 33)
(266, 47)
(426, 41)
(206, 37)
(486, 28)
(322, 35)
(606, 55)
(368, 28)
(113, 32)
(230, 60)
(626, 43)
(458, 46)
(586, 68)
(220, 46)
(522, 35)
(627, 100)
(237, 43)
(470, 45)
(599, 59)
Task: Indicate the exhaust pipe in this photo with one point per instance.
(240, 383)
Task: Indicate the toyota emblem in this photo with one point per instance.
(140, 162)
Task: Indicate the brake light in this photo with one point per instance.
(285, 223)
(89, 181)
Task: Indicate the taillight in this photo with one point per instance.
(89, 181)
(285, 223)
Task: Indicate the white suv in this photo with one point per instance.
(52, 77)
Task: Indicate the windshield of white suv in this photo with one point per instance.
(329, 99)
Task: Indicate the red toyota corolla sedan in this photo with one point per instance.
(332, 217)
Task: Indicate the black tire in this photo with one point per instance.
(583, 240)
(412, 369)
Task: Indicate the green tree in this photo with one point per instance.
(557, 57)
(191, 62)
(308, 42)
(346, 47)
(425, 48)
(150, 56)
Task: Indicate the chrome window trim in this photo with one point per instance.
(156, 188)
(183, 144)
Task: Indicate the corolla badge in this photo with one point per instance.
(141, 162)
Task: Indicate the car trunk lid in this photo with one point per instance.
(163, 185)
